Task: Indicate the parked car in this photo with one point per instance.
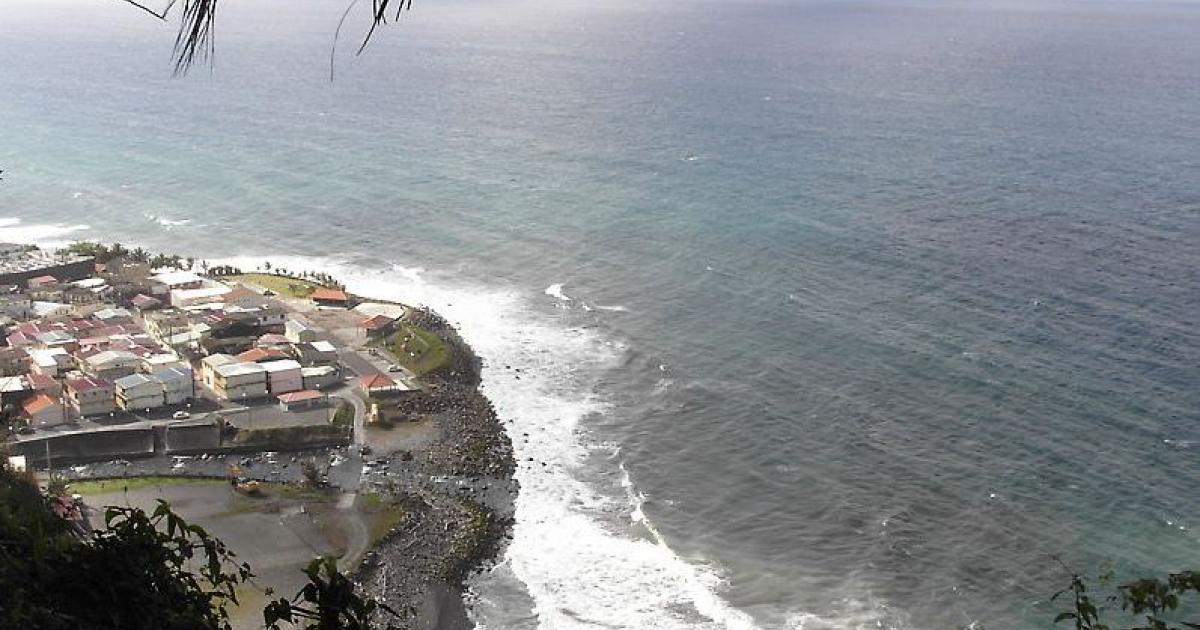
(394, 368)
(181, 415)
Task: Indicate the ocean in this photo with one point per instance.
(808, 314)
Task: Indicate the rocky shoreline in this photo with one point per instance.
(458, 498)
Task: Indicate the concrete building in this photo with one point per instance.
(298, 331)
(209, 365)
(49, 361)
(319, 377)
(262, 355)
(163, 283)
(162, 361)
(377, 326)
(316, 353)
(138, 392)
(111, 316)
(304, 399)
(178, 385)
(112, 364)
(183, 298)
(13, 361)
(240, 381)
(90, 396)
(44, 411)
(284, 376)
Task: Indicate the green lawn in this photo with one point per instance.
(418, 349)
(281, 285)
(102, 486)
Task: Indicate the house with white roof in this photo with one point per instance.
(138, 392)
(283, 376)
(240, 381)
(112, 364)
(50, 361)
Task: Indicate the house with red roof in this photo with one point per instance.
(91, 396)
(303, 399)
(42, 282)
(43, 411)
(378, 326)
(379, 384)
(326, 296)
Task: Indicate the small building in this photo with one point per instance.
(138, 391)
(240, 381)
(162, 361)
(144, 303)
(164, 283)
(377, 326)
(178, 385)
(113, 316)
(272, 340)
(262, 355)
(17, 463)
(325, 296)
(15, 390)
(209, 365)
(180, 298)
(55, 339)
(379, 384)
(44, 411)
(42, 282)
(44, 383)
(49, 361)
(297, 331)
(112, 364)
(316, 353)
(13, 361)
(319, 377)
(303, 399)
(90, 396)
(284, 376)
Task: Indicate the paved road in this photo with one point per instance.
(360, 413)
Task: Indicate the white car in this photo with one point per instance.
(181, 415)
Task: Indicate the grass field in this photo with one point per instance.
(102, 486)
(280, 285)
(418, 349)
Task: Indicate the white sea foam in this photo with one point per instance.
(48, 235)
(556, 291)
(580, 567)
(166, 223)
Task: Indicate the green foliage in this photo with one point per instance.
(1152, 600)
(327, 602)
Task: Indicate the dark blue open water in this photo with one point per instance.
(830, 314)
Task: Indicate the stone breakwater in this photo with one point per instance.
(457, 496)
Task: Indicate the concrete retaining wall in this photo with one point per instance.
(88, 447)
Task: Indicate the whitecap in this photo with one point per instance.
(46, 235)
(556, 291)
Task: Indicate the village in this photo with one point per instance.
(118, 359)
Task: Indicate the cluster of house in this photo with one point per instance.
(72, 354)
(89, 365)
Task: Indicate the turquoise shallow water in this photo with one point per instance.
(865, 309)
